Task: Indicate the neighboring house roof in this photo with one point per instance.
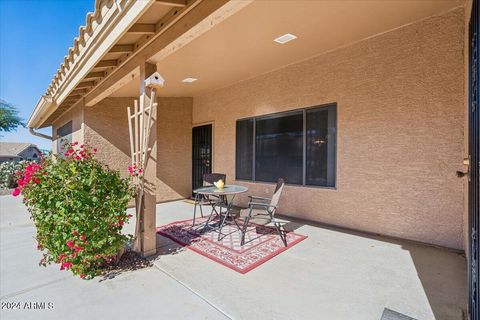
(14, 149)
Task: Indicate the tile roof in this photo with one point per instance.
(13, 148)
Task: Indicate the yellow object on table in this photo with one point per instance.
(219, 184)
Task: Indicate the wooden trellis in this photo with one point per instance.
(139, 124)
(139, 127)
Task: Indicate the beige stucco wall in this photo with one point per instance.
(468, 11)
(106, 128)
(400, 99)
(174, 165)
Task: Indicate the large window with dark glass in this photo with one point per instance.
(298, 146)
(244, 154)
(64, 134)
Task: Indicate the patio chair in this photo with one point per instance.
(212, 200)
(261, 211)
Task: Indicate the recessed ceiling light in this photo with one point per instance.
(285, 38)
(189, 80)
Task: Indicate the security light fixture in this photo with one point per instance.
(189, 80)
(287, 37)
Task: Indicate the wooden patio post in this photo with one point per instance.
(148, 229)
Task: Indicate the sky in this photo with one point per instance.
(34, 38)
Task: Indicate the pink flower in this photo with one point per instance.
(77, 158)
(62, 257)
(70, 243)
(83, 238)
(66, 265)
(94, 149)
(15, 192)
(78, 249)
(75, 232)
(129, 216)
(21, 183)
(121, 223)
(73, 255)
(82, 275)
(70, 150)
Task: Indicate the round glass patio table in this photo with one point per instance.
(228, 189)
(225, 217)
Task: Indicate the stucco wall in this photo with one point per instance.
(400, 99)
(468, 12)
(174, 149)
(106, 128)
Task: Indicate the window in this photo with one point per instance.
(64, 133)
(279, 148)
(298, 146)
(244, 154)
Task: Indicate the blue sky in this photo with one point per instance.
(34, 38)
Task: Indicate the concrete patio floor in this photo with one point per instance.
(333, 274)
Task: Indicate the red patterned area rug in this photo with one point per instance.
(261, 243)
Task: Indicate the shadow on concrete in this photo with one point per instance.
(441, 271)
(130, 261)
(166, 246)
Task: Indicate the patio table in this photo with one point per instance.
(226, 217)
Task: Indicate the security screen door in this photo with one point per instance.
(201, 154)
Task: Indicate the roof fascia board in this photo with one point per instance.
(44, 108)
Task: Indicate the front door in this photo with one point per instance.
(474, 160)
(201, 154)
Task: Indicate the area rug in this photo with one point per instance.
(261, 243)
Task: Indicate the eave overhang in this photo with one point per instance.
(43, 109)
(120, 36)
(102, 30)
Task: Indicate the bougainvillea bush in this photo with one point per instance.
(79, 207)
(7, 173)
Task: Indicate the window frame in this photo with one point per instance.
(304, 151)
(59, 136)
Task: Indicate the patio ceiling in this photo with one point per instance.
(242, 46)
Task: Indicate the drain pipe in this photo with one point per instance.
(38, 134)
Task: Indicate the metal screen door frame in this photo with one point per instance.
(474, 165)
(201, 154)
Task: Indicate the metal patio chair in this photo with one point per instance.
(211, 200)
(261, 211)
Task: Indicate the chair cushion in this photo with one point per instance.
(258, 216)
